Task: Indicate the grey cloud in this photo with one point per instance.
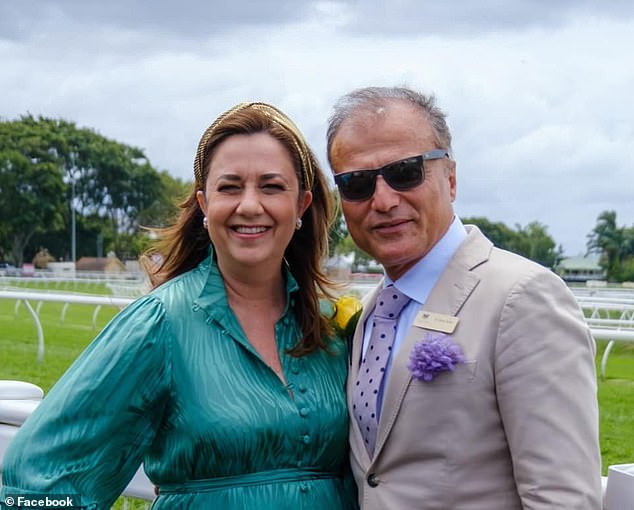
(185, 18)
(466, 17)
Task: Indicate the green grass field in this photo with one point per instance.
(616, 406)
(63, 342)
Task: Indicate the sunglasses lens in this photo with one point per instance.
(357, 185)
(405, 174)
(402, 175)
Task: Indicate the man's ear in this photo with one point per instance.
(451, 175)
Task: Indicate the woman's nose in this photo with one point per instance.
(250, 202)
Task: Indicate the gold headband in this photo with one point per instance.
(277, 117)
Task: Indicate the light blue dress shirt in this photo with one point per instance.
(417, 284)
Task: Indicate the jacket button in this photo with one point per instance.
(372, 480)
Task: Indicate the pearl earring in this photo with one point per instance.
(205, 223)
(298, 224)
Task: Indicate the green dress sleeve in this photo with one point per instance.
(89, 434)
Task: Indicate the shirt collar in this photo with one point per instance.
(419, 280)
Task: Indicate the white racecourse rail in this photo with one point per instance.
(600, 307)
(28, 297)
(18, 399)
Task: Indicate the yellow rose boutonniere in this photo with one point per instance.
(347, 311)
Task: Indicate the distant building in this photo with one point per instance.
(61, 269)
(580, 269)
(111, 265)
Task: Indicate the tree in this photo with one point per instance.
(499, 234)
(606, 239)
(31, 186)
(615, 245)
(338, 230)
(113, 181)
(51, 167)
(532, 241)
(626, 273)
(164, 206)
(627, 244)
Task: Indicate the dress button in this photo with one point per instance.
(302, 388)
(303, 412)
(303, 488)
(306, 439)
(373, 481)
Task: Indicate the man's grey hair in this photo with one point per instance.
(372, 98)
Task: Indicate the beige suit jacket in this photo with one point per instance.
(516, 426)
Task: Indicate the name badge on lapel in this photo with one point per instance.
(436, 321)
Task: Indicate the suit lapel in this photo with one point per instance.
(453, 288)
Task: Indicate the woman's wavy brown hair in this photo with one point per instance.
(183, 245)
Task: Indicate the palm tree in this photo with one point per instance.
(607, 239)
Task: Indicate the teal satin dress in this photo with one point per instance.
(173, 382)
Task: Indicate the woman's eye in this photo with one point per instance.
(228, 188)
(273, 187)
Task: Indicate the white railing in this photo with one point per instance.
(29, 297)
(600, 309)
(128, 285)
(620, 291)
(78, 276)
(610, 315)
(606, 307)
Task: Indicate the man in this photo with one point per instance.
(485, 396)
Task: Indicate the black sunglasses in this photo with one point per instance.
(359, 185)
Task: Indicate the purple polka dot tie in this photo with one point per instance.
(389, 304)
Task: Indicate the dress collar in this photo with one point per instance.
(213, 296)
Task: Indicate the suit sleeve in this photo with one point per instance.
(547, 395)
(89, 434)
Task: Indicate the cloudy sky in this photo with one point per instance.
(538, 92)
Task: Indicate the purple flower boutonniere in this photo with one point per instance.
(437, 353)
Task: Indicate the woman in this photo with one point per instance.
(225, 379)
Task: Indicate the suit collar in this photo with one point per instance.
(453, 288)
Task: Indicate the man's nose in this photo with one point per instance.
(385, 197)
